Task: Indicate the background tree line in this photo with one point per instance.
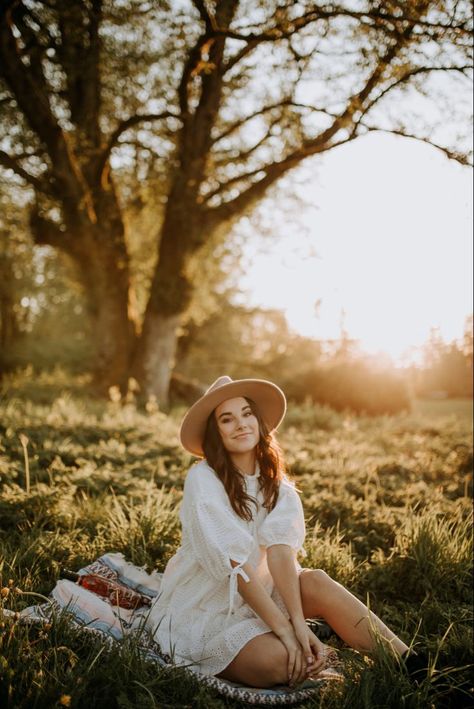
(135, 136)
(45, 326)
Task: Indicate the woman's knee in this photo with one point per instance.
(274, 667)
(317, 578)
(316, 588)
(263, 662)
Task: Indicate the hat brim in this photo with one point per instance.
(269, 398)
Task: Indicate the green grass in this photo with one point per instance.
(388, 509)
(460, 408)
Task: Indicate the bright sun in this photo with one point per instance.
(393, 235)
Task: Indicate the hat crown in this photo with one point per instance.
(268, 397)
(219, 383)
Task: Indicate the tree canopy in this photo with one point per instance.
(195, 110)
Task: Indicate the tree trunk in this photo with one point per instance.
(99, 252)
(156, 357)
(170, 294)
(8, 323)
(106, 288)
(113, 339)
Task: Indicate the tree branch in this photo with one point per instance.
(125, 125)
(194, 58)
(398, 23)
(208, 19)
(46, 233)
(451, 154)
(28, 87)
(205, 61)
(266, 109)
(10, 163)
(247, 49)
(30, 90)
(321, 143)
(79, 56)
(257, 189)
(405, 78)
(229, 156)
(232, 181)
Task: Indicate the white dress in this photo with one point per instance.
(200, 618)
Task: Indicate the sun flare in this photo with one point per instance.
(394, 255)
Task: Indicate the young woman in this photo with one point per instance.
(234, 598)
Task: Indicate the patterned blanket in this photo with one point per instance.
(92, 614)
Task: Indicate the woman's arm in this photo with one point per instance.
(281, 564)
(254, 593)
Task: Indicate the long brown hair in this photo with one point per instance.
(269, 457)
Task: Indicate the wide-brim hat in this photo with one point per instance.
(268, 397)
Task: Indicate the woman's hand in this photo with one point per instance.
(297, 670)
(315, 652)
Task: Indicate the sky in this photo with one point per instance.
(383, 247)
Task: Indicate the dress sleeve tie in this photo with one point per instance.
(235, 573)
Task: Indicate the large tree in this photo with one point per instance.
(216, 100)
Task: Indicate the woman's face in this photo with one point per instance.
(237, 425)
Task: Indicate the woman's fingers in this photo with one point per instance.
(315, 643)
(307, 651)
(309, 655)
(296, 666)
(306, 661)
(291, 665)
(309, 658)
(296, 669)
(321, 659)
(300, 668)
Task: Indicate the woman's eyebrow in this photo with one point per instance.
(229, 413)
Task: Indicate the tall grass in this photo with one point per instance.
(388, 511)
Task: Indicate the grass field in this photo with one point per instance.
(388, 509)
(459, 408)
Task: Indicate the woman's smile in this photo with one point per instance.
(238, 425)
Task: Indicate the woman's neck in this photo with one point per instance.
(245, 462)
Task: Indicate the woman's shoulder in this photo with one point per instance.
(286, 483)
(201, 478)
(288, 489)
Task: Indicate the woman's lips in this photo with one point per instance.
(242, 435)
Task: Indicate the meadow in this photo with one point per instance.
(388, 509)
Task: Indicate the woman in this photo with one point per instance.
(234, 598)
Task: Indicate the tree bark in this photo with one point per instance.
(113, 332)
(99, 253)
(8, 322)
(157, 355)
(170, 294)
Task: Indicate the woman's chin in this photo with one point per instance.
(244, 446)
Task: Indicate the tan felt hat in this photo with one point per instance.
(269, 398)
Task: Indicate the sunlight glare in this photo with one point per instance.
(393, 232)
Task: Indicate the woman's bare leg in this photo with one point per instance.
(262, 662)
(322, 597)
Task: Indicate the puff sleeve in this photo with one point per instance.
(213, 530)
(216, 537)
(285, 523)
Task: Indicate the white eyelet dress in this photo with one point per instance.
(200, 618)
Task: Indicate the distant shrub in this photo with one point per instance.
(353, 386)
(308, 415)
